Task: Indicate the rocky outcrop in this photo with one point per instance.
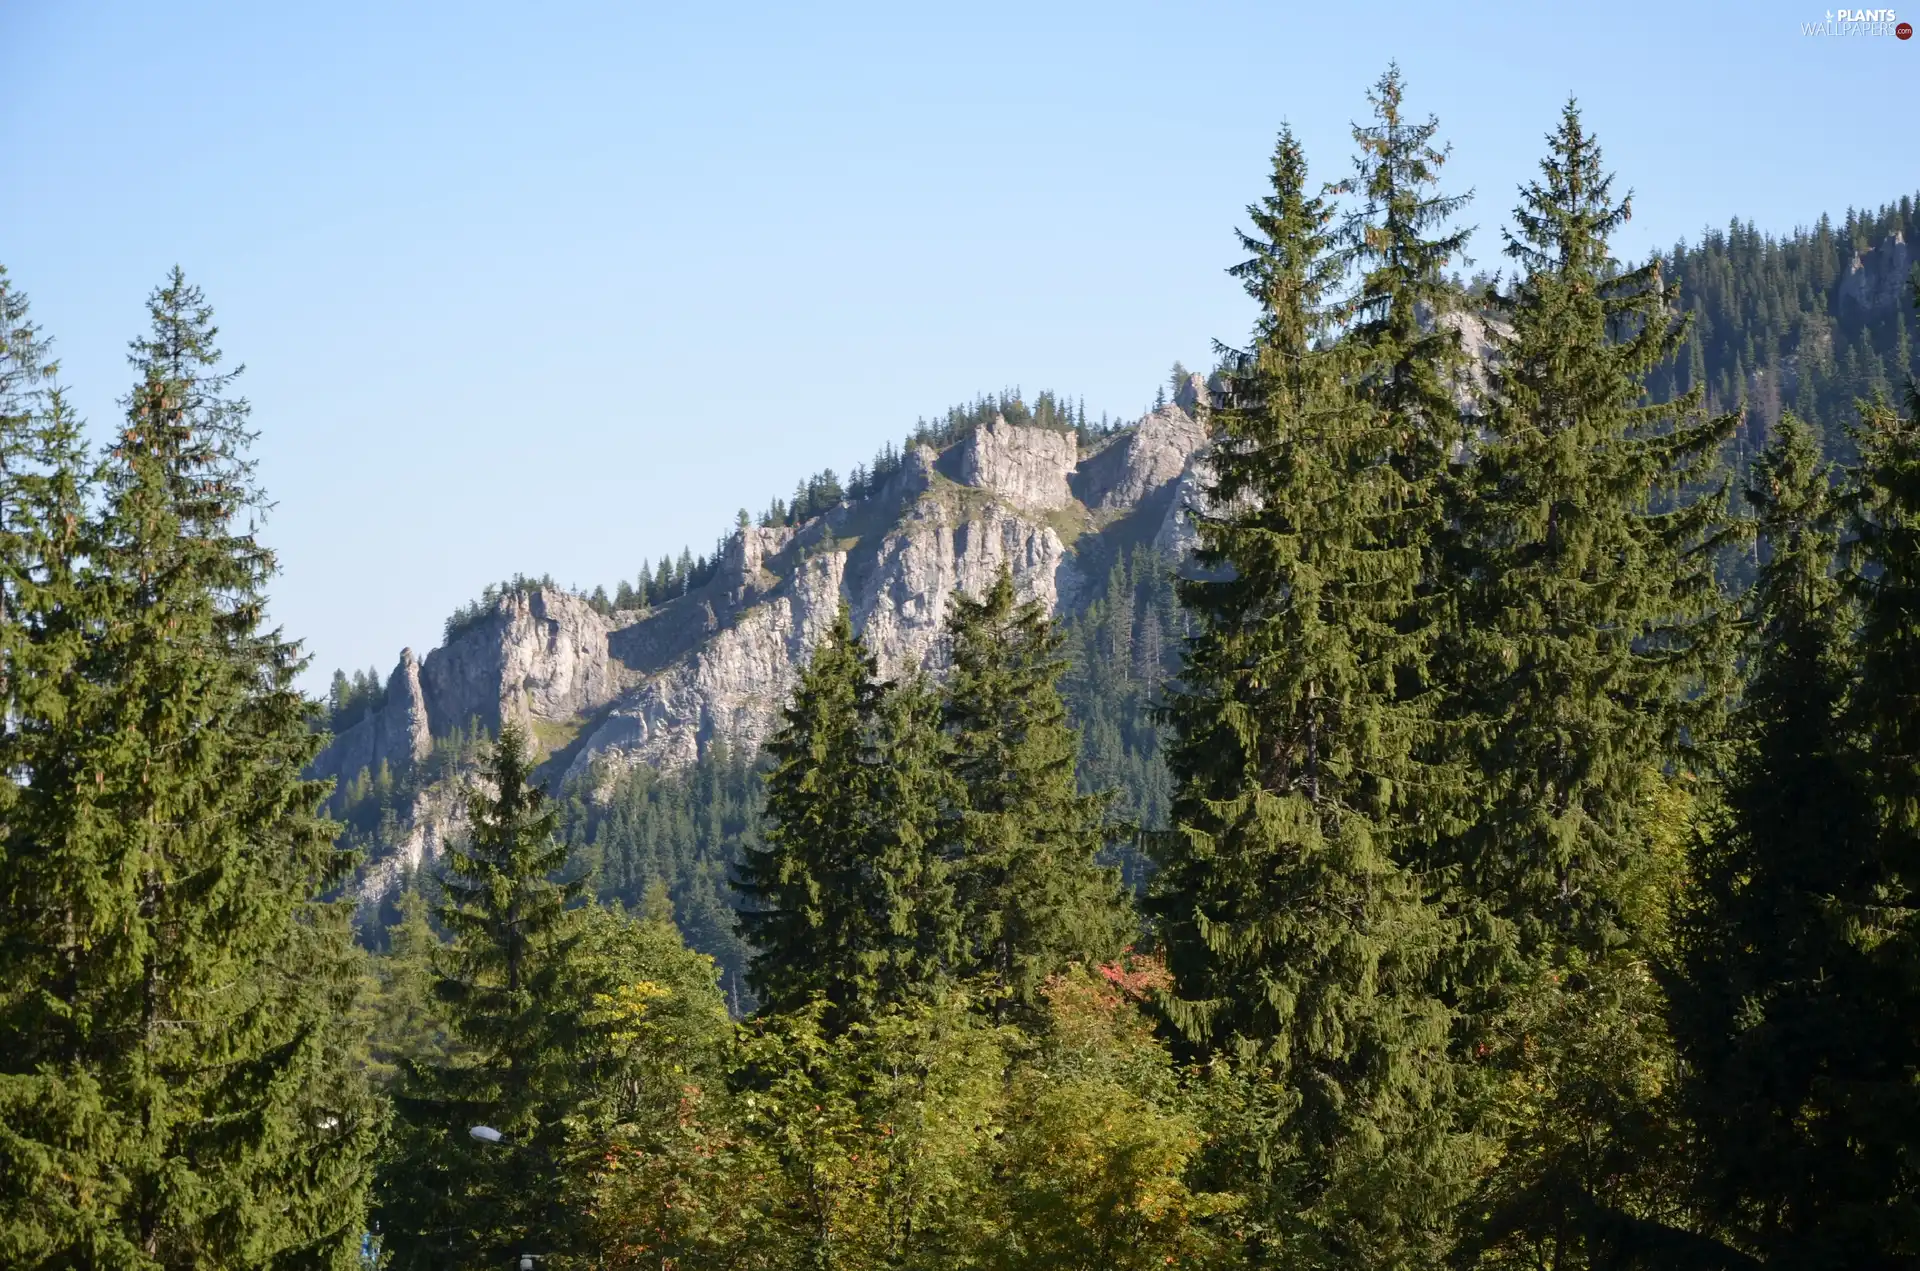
(1028, 467)
(1176, 538)
(743, 565)
(1480, 339)
(1878, 279)
(538, 656)
(663, 685)
(1194, 396)
(435, 817)
(395, 733)
(1144, 458)
(731, 687)
(902, 602)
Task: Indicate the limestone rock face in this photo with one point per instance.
(731, 687)
(1193, 396)
(901, 606)
(1478, 337)
(916, 471)
(1143, 459)
(538, 656)
(394, 733)
(747, 552)
(1479, 340)
(403, 726)
(1878, 280)
(661, 686)
(1177, 537)
(435, 817)
(1028, 467)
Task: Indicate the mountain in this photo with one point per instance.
(649, 709)
(655, 692)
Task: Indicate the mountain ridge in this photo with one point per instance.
(1807, 322)
(604, 692)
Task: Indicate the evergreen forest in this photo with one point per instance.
(1498, 846)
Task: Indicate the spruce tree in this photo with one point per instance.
(446, 1199)
(1399, 240)
(58, 1165)
(180, 1084)
(1299, 942)
(1025, 842)
(1877, 1198)
(1774, 1008)
(1589, 643)
(403, 1022)
(848, 898)
(1586, 659)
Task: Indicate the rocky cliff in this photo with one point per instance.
(395, 735)
(1028, 467)
(661, 686)
(1144, 459)
(1879, 279)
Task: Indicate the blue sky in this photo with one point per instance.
(553, 288)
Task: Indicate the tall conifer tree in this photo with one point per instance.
(447, 1200)
(402, 1019)
(1024, 841)
(58, 1163)
(1408, 361)
(180, 1004)
(849, 898)
(1590, 642)
(1583, 662)
(1298, 940)
(1877, 1197)
(1774, 1011)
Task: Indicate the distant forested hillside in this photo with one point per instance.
(1810, 322)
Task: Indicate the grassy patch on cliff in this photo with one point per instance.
(551, 735)
(1070, 522)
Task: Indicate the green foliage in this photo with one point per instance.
(628, 1028)
(473, 612)
(813, 496)
(1579, 1082)
(1771, 330)
(1590, 645)
(1024, 841)
(179, 1087)
(1586, 658)
(847, 900)
(1096, 1162)
(1755, 1009)
(1049, 410)
(370, 806)
(652, 1021)
(350, 699)
(442, 1197)
(924, 1137)
(661, 1174)
(1797, 982)
(401, 1020)
(1122, 651)
(823, 491)
(1491, 937)
(1301, 941)
(684, 832)
(879, 1134)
